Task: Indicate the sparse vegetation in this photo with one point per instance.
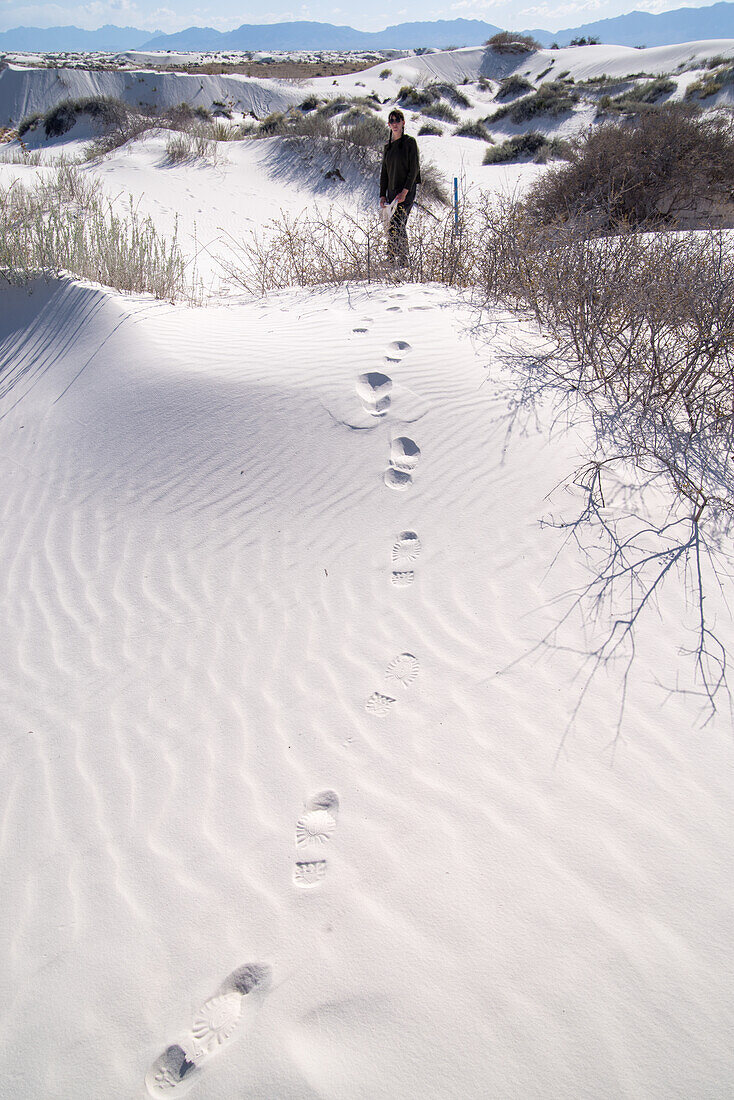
(512, 42)
(531, 145)
(711, 85)
(449, 91)
(63, 223)
(657, 170)
(648, 93)
(551, 98)
(513, 86)
(415, 98)
(441, 111)
(474, 130)
(427, 129)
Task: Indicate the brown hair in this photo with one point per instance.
(395, 113)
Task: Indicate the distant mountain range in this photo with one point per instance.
(635, 29)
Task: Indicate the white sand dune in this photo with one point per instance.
(25, 90)
(268, 702)
(471, 62)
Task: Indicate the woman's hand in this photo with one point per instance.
(383, 200)
(402, 195)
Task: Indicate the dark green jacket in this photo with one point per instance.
(400, 166)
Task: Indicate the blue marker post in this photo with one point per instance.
(456, 205)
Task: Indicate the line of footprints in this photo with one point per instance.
(219, 1018)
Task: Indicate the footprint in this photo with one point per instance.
(405, 552)
(401, 672)
(314, 829)
(216, 1022)
(399, 348)
(373, 390)
(360, 331)
(378, 704)
(404, 456)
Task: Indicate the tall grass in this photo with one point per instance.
(64, 224)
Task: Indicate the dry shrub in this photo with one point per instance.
(197, 144)
(513, 86)
(513, 42)
(335, 247)
(63, 223)
(652, 171)
(532, 144)
(642, 324)
(441, 111)
(553, 97)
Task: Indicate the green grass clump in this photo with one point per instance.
(429, 130)
(473, 130)
(441, 111)
(410, 96)
(533, 144)
(65, 224)
(513, 86)
(648, 93)
(552, 98)
(449, 91)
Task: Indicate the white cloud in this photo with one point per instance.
(556, 12)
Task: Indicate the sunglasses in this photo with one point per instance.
(394, 121)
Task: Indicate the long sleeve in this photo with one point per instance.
(412, 173)
(383, 178)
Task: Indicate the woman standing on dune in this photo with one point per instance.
(399, 178)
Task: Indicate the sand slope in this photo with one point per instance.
(260, 707)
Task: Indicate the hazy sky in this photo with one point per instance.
(227, 14)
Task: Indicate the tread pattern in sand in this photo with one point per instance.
(405, 552)
(400, 673)
(314, 830)
(214, 1025)
(404, 457)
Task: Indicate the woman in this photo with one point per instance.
(399, 178)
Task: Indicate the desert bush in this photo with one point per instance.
(650, 92)
(532, 144)
(552, 98)
(585, 40)
(334, 107)
(512, 42)
(710, 85)
(433, 188)
(311, 125)
(473, 130)
(441, 111)
(196, 144)
(649, 171)
(640, 327)
(64, 224)
(367, 132)
(335, 248)
(513, 86)
(310, 103)
(428, 129)
(183, 116)
(107, 111)
(116, 136)
(274, 123)
(29, 123)
(412, 97)
(445, 90)
(646, 320)
(385, 73)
